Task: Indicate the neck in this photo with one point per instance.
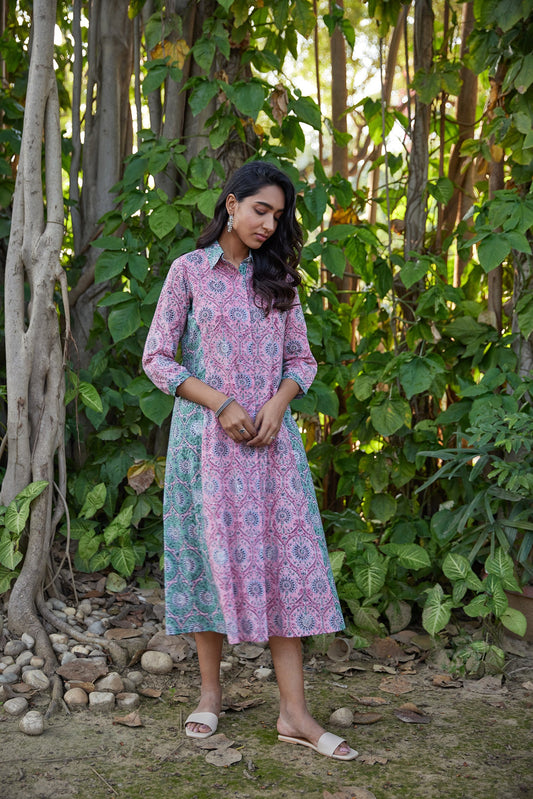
(234, 250)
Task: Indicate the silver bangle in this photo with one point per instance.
(224, 405)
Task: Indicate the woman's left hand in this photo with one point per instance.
(268, 422)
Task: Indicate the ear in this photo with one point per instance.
(231, 203)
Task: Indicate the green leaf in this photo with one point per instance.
(100, 560)
(478, 607)
(493, 250)
(524, 79)
(334, 259)
(441, 190)
(94, 500)
(16, 516)
(88, 545)
(90, 397)
(413, 271)
(307, 111)
(390, 416)
(119, 526)
(124, 320)
(154, 78)
(6, 578)
(363, 386)
(437, 610)
(156, 406)
(304, 18)
(336, 559)
(515, 621)
(138, 266)
(10, 557)
(524, 314)
(416, 376)
(412, 556)
(201, 96)
(123, 560)
(248, 97)
(370, 574)
(204, 51)
(382, 507)
(501, 565)
(163, 220)
(109, 265)
(32, 490)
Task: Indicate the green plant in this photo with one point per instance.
(13, 520)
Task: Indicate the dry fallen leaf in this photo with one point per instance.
(371, 760)
(380, 668)
(218, 741)
(119, 633)
(245, 704)
(133, 719)
(385, 649)
(366, 718)
(343, 668)
(223, 757)
(248, 651)
(152, 693)
(528, 685)
(410, 717)
(396, 685)
(486, 685)
(410, 706)
(371, 701)
(445, 681)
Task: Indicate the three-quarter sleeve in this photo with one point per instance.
(166, 330)
(298, 361)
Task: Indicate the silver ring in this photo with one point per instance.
(272, 438)
(242, 430)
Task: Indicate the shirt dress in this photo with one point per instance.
(245, 552)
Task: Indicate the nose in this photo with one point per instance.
(269, 222)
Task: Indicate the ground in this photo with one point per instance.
(477, 744)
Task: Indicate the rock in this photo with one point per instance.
(85, 607)
(14, 668)
(70, 611)
(76, 697)
(136, 677)
(101, 700)
(60, 648)
(37, 663)
(262, 673)
(225, 666)
(67, 657)
(16, 706)
(27, 668)
(80, 649)
(7, 660)
(82, 669)
(96, 628)
(57, 604)
(128, 701)
(129, 686)
(343, 717)
(37, 679)
(8, 679)
(32, 723)
(175, 645)
(25, 658)
(156, 662)
(58, 638)
(14, 648)
(113, 682)
(28, 640)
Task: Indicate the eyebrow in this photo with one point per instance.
(271, 207)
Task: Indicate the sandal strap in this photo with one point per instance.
(203, 717)
(328, 742)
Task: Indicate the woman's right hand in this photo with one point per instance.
(236, 423)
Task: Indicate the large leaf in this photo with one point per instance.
(123, 560)
(501, 565)
(492, 250)
(334, 259)
(88, 545)
(370, 576)
(437, 610)
(390, 416)
(336, 559)
(247, 97)
(163, 220)
(412, 556)
(416, 376)
(16, 516)
(90, 397)
(119, 526)
(156, 406)
(32, 490)
(94, 500)
(10, 557)
(515, 621)
(124, 320)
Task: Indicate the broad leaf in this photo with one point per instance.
(515, 621)
(10, 557)
(94, 500)
(390, 416)
(123, 560)
(437, 610)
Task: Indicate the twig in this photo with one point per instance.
(103, 780)
(66, 555)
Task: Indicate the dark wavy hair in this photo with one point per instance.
(275, 276)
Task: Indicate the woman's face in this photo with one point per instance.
(255, 218)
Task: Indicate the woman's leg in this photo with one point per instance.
(294, 717)
(209, 647)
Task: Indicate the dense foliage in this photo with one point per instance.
(418, 427)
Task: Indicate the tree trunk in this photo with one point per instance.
(107, 142)
(35, 381)
(415, 214)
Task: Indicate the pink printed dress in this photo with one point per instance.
(245, 552)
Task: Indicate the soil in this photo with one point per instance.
(477, 744)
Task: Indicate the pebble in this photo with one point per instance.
(70, 611)
(136, 677)
(15, 668)
(80, 649)
(14, 648)
(111, 682)
(37, 679)
(128, 701)
(85, 607)
(25, 657)
(57, 604)
(101, 700)
(76, 697)
(28, 640)
(129, 686)
(32, 723)
(343, 717)
(156, 662)
(7, 660)
(262, 673)
(37, 663)
(60, 648)
(67, 657)
(58, 638)
(28, 667)
(16, 706)
(8, 679)
(96, 628)
(225, 666)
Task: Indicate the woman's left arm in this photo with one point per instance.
(299, 370)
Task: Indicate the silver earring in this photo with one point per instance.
(230, 223)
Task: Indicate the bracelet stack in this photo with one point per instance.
(224, 405)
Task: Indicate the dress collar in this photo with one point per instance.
(215, 252)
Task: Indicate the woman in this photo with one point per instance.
(245, 553)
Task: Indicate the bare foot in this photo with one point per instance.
(211, 702)
(303, 725)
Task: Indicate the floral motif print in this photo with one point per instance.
(245, 552)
